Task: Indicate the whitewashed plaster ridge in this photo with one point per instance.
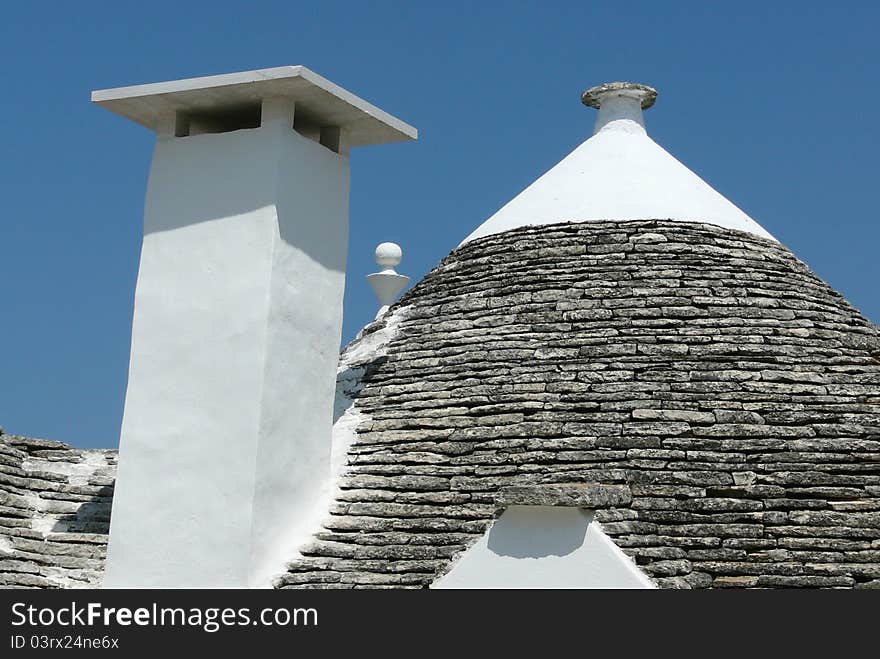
(353, 362)
(352, 367)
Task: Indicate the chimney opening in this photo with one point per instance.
(331, 137)
(218, 121)
(326, 136)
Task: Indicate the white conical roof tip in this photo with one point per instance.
(620, 104)
(619, 174)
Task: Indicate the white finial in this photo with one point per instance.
(388, 255)
(387, 284)
(620, 105)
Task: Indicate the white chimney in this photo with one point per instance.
(225, 442)
(387, 284)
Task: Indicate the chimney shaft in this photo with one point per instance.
(225, 442)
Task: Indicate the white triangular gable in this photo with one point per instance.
(544, 547)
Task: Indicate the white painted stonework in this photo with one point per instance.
(49, 515)
(225, 449)
(544, 547)
(620, 173)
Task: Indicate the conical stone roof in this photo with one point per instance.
(685, 376)
(729, 393)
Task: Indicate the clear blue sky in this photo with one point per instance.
(774, 103)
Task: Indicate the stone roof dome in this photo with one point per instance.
(728, 397)
(622, 338)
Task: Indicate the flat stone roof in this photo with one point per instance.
(317, 99)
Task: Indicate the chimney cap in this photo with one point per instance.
(593, 96)
(317, 100)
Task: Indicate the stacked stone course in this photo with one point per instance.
(54, 513)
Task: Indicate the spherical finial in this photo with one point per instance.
(388, 255)
(594, 95)
(388, 283)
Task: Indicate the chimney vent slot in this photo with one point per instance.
(327, 136)
(218, 121)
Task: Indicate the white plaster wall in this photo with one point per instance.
(618, 174)
(544, 547)
(235, 337)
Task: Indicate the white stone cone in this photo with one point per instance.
(620, 173)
